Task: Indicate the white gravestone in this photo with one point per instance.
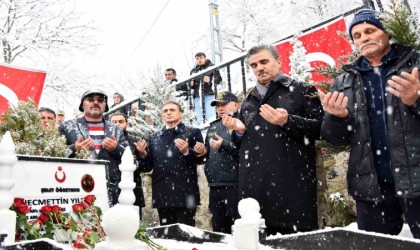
(7, 160)
(246, 229)
(122, 221)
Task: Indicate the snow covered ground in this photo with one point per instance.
(229, 243)
(405, 232)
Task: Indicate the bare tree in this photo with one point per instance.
(247, 22)
(34, 25)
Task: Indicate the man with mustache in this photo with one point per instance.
(277, 128)
(104, 139)
(374, 107)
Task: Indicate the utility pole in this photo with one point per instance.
(216, 40)
(369, 4)
(379, 3)
(408, 6)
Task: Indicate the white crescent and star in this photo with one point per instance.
(8, 94)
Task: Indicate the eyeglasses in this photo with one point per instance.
(92, 99)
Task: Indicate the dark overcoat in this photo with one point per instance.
(174, 177)
(277, 163)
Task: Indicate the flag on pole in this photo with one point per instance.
(18, 83)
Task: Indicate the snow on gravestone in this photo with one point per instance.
(122, 221)
(246, 229)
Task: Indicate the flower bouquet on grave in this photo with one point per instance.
(81, 226)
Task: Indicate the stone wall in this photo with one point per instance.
(331, 174)
(336, 167)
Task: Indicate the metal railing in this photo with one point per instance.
(236, 67)
(238, 63)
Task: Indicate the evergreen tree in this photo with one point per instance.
(401, 26)
(150, 120)
(30, 138)
(300, 68)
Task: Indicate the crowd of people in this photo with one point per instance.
(264, 148)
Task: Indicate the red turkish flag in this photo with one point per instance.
(323, 46)
(17, 84)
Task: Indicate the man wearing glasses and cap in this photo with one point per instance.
(222, 164)
(105, 140)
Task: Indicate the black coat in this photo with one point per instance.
(174, 177)
(222, 166)
(206, 87)
(277, 163)
(73, 129)
(403, 133)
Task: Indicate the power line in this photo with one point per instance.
(147, 33)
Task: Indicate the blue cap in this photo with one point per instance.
(366, 16)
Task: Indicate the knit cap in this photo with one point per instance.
(366, 16)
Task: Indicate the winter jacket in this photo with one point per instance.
(222, 166)
(403, 132)
(206, 86)
(174, 177)
(73, 129)
(277, 163)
